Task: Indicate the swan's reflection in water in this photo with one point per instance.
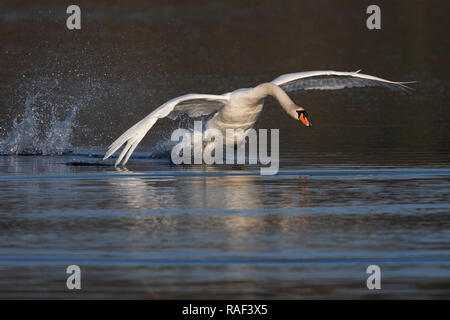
(140, 193)
(239, 207)
(205, 191)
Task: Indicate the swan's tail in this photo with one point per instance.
(131, 137)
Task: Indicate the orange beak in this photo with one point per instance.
(304, 120)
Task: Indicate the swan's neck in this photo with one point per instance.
(270, 89)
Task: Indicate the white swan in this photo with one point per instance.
(240, 109)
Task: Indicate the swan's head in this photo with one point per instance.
(302, 115)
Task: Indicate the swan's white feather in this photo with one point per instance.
(136, 133)
(333, 80)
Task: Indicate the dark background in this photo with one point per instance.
(129, 58)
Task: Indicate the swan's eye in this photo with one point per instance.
(305, 114)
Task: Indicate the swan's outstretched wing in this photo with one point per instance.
(333, 80)
(194, 105)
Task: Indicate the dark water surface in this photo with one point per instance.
(368, 184)
(160, 231)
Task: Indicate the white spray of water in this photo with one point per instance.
(34, 135)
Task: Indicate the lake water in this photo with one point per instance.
(367, 185)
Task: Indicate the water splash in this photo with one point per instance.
(45, 127)
(162, 149)
(26, 138)
(164, 145)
